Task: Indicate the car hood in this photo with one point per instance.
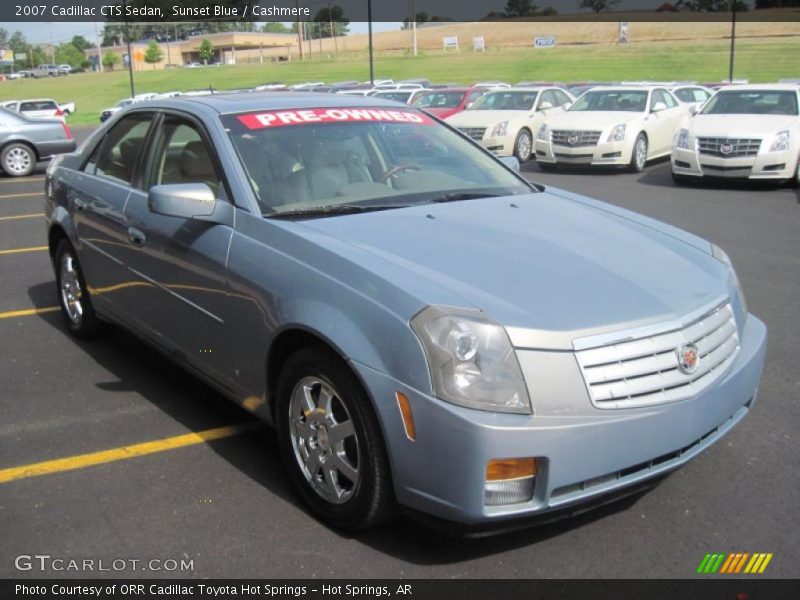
(541, 263)
(591, 120)
(483, 118)
(740, 125)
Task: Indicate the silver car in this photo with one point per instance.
(24, 141)
(426, 329)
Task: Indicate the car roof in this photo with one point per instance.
(777, 87)
(450, 89)
(523, 88)
(628, 88)
(234, 103)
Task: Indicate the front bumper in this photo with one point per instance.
(582, 452)
(603, 153)
(499, 146)
(765, 165)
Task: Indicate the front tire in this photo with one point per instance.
(18, 160)
(639, 154)
(73, 294)
(523, 146)
(331, 442)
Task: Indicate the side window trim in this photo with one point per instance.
(136, 179)
(201, 129)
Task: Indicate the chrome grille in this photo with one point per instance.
(575, 139)
(476, 133)
(728, 147)
(644, 371)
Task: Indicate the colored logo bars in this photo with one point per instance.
(741, 562)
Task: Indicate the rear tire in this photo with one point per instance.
(18, 159)
(523, 146)
(331, 442)
(639, 154)
(73, 294)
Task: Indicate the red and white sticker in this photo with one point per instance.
(283, 118)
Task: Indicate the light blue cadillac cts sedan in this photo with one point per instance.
(425, 329)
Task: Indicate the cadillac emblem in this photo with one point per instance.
(688, 358)
(726, 148)
(572, 140)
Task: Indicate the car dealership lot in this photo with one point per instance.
(227, 504)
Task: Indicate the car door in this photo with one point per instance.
(183, 258)
(673, 118)
(97, 194)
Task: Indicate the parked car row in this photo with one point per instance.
(37, 108)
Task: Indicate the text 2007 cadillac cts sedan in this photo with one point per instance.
(424, 328)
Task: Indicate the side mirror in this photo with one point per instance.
(545, 105)
(658, 107)
(511, 162)
(185, 200)
(694, 109)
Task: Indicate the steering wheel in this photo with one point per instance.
(396, 170)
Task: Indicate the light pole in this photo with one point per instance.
(371, 63)
(128, 41)
(733, 40)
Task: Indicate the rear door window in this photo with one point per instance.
(117, 156)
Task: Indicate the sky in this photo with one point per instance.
(43, 33)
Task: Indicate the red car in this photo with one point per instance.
(444, 102)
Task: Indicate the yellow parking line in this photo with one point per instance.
(31, 216)
(21, 179)
(27, 312)
(26, 195)
(81, 461)
(21, 250)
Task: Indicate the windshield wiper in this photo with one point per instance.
(455, 196)
(336, 209)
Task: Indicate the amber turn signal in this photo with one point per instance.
(500, 469)
(408, 418)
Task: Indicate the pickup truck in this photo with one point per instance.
(46, 71)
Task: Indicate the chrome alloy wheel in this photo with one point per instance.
(524, 145)
(640, 153)
(324, 440)
(71, 292)
(18, 160)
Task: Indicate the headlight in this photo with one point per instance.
(682, 140)
(781, 142)
(617, 133)
(500, 129)
(471, 360)
(543, 133)
(721, 256)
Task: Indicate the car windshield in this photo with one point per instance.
(439, 100)
(354, 159)
(752, 102)
(505, 101)
(396, 96)
(611, 100)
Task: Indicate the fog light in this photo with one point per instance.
(509, 481)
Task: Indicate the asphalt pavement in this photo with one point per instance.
(226, 505)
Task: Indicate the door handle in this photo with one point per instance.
(81, 204)
(136, 236)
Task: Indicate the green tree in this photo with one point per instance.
(67, 54)
(520, 8)
(110, 60)
(327, 16)
(153, 54)
(275, 27)
(422, 17)
(81, 43)
(598, 5)
(38, 56)
(206, 51)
